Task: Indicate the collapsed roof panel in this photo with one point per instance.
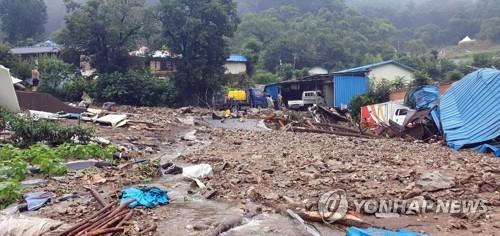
(470, 110)
(8, 98)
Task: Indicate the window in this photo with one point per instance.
(402, 112)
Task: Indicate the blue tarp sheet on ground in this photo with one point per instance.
(147, 196)
(470, 111)
(354, 231)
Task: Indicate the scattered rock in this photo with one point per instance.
(386, 215)
(272, 196)
(434, 181)
(253, 194)
(189, 121)
(190, 136)
(33, 182)
(185, 110)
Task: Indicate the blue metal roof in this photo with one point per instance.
(237, 58)
(367, 68)
(470, 113)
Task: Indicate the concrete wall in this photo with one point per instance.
(391, 72)
(235, 68)
(400, 94)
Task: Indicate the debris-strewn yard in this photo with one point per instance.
(255, 175)
(291, 170)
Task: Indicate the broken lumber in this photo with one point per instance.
(349, 219)
(98, 197)
(320, 131)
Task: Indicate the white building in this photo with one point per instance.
(466, 40)
(236, 64)
(317, 71)
(388, 70)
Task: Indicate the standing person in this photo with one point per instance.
(35, 76)
(280, 101)
(270, 102)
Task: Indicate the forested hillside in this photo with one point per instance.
(432, 24)
(283, 38)
(317, 32)
(336, 34)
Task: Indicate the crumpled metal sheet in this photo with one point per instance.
(470, 110)
(423, 97)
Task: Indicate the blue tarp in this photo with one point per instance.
(148, 196)
(470, 111)
(37, 199)
(273, 90)
(423, 97)
(354, 231)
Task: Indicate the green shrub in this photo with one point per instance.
(134, 88)
(14, 163)
(10, 191)
(28, 131)
(356, 104)
(53, 72)
(12, 158)
(79, 151)
(72, 90)
(454, 75)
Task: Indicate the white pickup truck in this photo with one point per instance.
(309, 98)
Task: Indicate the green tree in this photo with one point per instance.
(485, 60)
(421, 78)
(490, 29)
(106, 30)
(198, 31)
(416, 46)
(265, 77)
(22, 19)
(454, 76)
(399, 83)
(285, 71)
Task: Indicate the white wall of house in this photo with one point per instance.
(318, 71)
(391, 72)
(234, 68)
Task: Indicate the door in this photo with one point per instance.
(400, 115)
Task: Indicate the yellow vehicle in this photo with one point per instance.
(237, 95)
(248, 98)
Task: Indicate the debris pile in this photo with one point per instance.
(283, 170)
(320, 119)
(112, 218)
(463, 117)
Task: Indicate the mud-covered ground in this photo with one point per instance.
(287, 170)
(259, 174)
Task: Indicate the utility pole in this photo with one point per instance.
(294, 60)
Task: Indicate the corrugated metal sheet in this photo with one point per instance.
(470, 110)
(272, 89)
(237, 58)
(347, 87)
(367, 68)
